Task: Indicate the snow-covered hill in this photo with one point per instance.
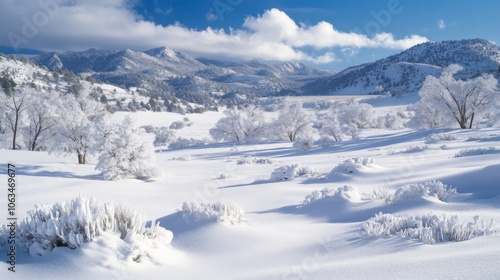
(164, 71)
(405, 72)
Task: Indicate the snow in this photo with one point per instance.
(278, 237)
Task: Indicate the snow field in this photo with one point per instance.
(306, 227)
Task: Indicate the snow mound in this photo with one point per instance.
(346, 193)
(477, 151)
(352, 165)
(82, 220)
(427, 189)
(289, 172)
(253, 160)
(218, 212)
(428, 228)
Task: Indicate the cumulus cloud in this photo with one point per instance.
(78, 25)
(441, 24)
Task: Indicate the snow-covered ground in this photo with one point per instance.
(283, 235)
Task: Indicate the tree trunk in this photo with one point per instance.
(471, 120)
(81, 159)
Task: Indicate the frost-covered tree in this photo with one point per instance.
(293, 121)
(240, 125)
(42, 115)
(79, 130)
(15, 105)
(127, 153)
(355, 113)
(333, 128)
(446, 98)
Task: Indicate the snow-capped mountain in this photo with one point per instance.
(405, 72)
(163, 71)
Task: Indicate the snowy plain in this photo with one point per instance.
(280, 237)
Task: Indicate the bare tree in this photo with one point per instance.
(15, 104)
(42, 113)
(292, 120)
(460, 100)
(240, 125)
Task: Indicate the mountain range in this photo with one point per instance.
(169, 74)
(406, 71)
(164, 70)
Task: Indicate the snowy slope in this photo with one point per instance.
(405, 72)
(280, 237)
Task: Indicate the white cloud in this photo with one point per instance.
(211, 16)
(441, 24)
(111, 24)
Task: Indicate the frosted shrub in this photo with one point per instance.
(378, 194)
(416, 148)
(430, 188)
(177, 125)
(81, 220)
(225, 176)
(353, 165)
(252, 160)
(388, 121)
(326, 141)
(289, 172)
(181, 158)
(182, 143)
(442, 137)
(428, 228)
(218, 212)
(303, 143)
(477, 151)
(345, 193)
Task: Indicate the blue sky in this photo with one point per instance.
(328, 34)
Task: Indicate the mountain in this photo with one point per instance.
(406, 71)
(165, 72)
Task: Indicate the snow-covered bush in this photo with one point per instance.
(253, 160)
(218, 212)
(225, 176)
(429, 228)
(378, 194)
(163, 135)
(181, 158)
(127, 153)
(81, 220)
(288, 172)
(348, 193)
(326, 141)
(430, 188)
(388, 121)
(433, 138)
(352, 165)
(416, 148)
(182, 143)
(477, 151)
(303, 143)
(177, 125)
